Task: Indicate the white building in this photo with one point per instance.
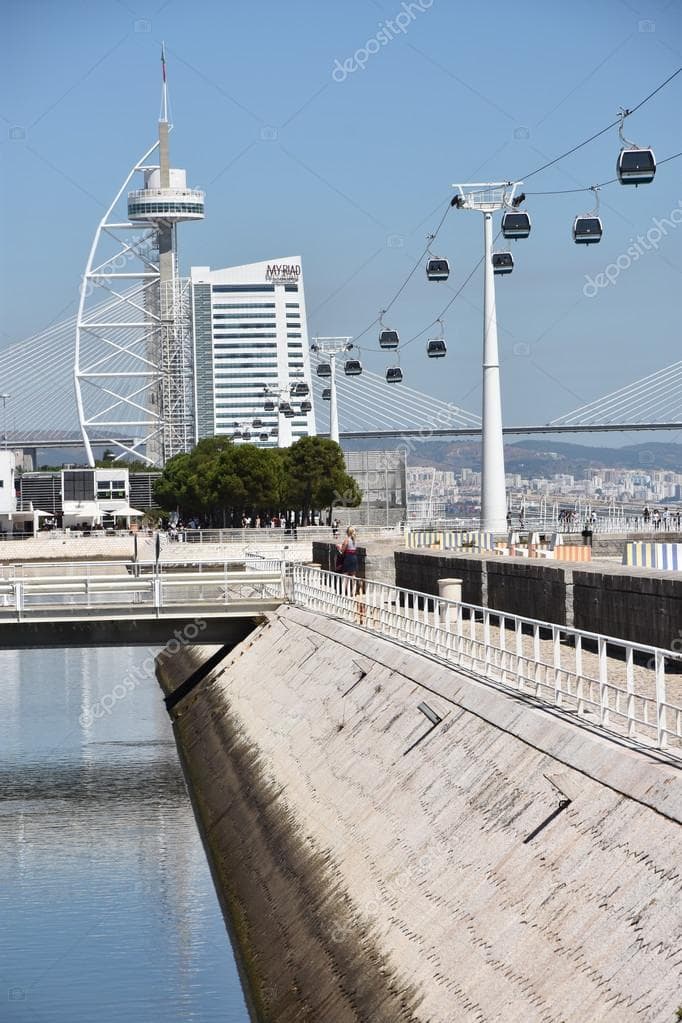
(250, 334)
(97, 499)
(14, 519)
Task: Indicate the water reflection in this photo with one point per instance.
(106, 901)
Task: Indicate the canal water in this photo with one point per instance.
(107, 907)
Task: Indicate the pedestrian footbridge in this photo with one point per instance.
(122, 603)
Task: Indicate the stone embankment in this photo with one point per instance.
(395, 841)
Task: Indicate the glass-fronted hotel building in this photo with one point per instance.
(249, 336)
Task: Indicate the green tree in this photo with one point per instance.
(317, 476)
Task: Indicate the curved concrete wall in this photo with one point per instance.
(500, 864)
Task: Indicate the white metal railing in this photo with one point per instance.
(624, 687)
(171, 193)
(131, 588)
(604, 524)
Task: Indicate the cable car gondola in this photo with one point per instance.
(635, 165)
(284, 407)
(246, 435)
(327, 394)
(515, 224)
(437, 268)
(273, 431)
(256, 424)
(388, 339)
(352, 367)
(587, 228)
(264, 438)
(288, 412)
(503, 262)
(269, 405)
(394, 375)
(237, 435)
(306, 406)
(436, 348)
(300, 390)
(324, 370)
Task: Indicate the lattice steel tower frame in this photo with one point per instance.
(133, 371)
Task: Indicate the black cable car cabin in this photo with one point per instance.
(503, 262)
(246, 435)
(300, 390)
(437, 269)
(436, 348)
(394, 375)
(264, 437)
(587, 230)
(636, 166)
(256, 424)
(306, 406)
(288, 412)
(388, 339)
(327, 394)
(515, 225)
(352, 368)
(269, 406)
(284, 407)
(324, 370)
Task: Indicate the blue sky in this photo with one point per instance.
(353, 170)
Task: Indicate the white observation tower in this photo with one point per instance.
(133, 359)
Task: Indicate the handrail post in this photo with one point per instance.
(661, 730)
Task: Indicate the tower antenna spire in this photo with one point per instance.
(164, 112)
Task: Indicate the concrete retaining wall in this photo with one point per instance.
(645, 607)
(641, 605)
(504, 865)
(423, 570)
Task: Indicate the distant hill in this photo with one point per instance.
(539, 457)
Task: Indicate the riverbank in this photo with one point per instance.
(498, 864)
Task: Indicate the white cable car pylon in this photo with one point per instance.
(329, 348)
(488, 198)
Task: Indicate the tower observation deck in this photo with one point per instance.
(134, 373)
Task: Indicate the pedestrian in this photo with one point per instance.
(349, 551)
(335, 528)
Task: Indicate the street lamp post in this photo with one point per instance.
(487, 199)
(4, 418)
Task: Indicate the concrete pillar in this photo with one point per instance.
(450, 589)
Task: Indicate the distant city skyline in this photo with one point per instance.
(337, 131)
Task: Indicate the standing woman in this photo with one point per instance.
(349, 550)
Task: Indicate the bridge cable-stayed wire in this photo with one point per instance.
(654, 395)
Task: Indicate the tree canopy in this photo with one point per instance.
(220, 482)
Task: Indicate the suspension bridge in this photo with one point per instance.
(39, 409)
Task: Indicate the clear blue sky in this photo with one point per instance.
(359, 170)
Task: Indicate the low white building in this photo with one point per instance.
(96, 499)
(14, 519)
